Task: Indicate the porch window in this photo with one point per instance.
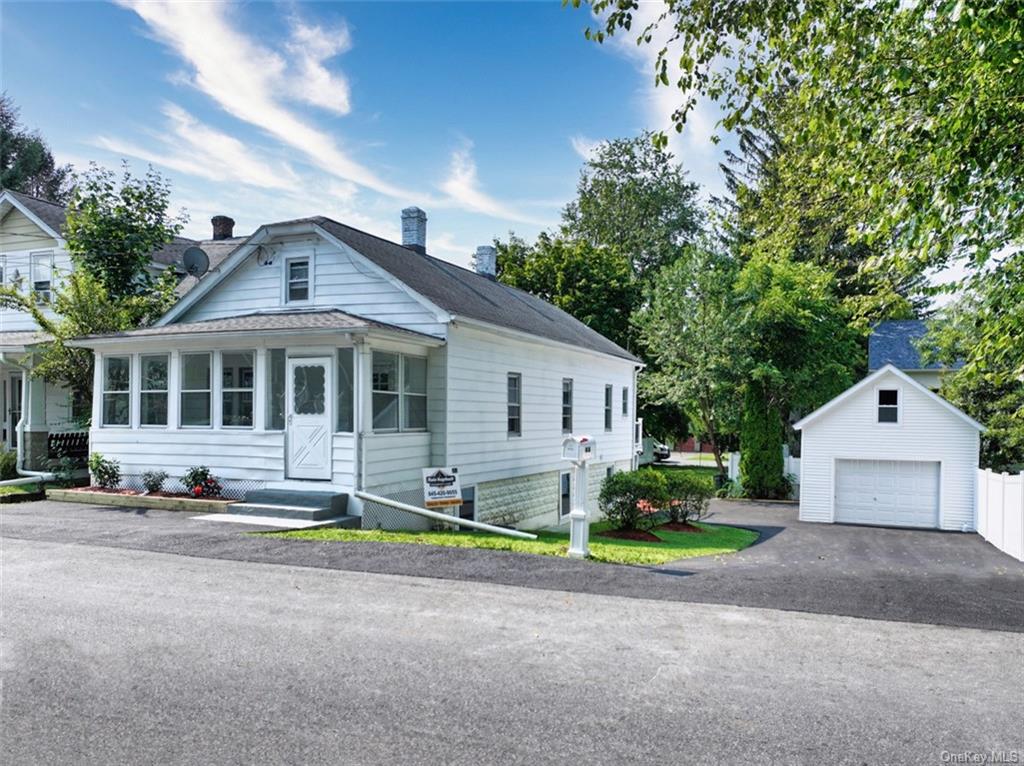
(117, 378)
(195, 390)
(515, 404)
(567, 405)
(42, 277)
(275, 388)
(888, 405)
(399, 392)
(237, 385)
(154, 389)
(608, 407)
(414, 393)
(297, 275)
(346, 390)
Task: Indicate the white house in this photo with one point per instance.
(897, 342)
(33, 259)
(889, 451)
(319, 356)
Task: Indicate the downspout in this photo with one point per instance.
(30, 477)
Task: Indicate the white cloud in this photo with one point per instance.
(192, 147)
(249, 80)
(585, 147)
(463, 187)
(310, 46)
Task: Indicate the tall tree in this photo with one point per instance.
(26, 162)
(689, 326)
(914, 112)
(634, 197)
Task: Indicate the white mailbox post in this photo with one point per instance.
(579, 450)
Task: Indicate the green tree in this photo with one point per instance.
(26, 162)
(634, 197)
(911, 113)
(595, 284)
(761, 437)
(113, 227)
(689, 326)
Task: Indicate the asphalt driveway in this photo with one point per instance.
(890, 574)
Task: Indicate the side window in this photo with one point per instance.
(237, 388)
(888, 405)
(296, 289)
(196, 391)
(153, 389)
(567, 405)
(117, 378)
(515, 404)
(608, 407)
(625, 401)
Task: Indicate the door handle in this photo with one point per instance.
(289, 418)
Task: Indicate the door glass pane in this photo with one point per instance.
(346, 390)
(309, 387)
(385, 412)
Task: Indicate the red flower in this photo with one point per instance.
(197, 491)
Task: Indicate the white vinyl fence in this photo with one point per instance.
(1001, 511)
(790, 467)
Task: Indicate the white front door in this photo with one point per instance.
(309, 418)
(891, 493)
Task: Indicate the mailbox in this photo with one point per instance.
(578, 449)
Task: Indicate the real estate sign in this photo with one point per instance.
(441, 487)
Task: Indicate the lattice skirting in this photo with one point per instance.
(378, 516)
(233, 489)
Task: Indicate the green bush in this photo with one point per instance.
(199, 481)
(8, 465)
(761, 462)
(153, 481)
(631, 499)
(688, 497)
(106, 473)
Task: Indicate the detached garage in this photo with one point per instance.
(889, 452)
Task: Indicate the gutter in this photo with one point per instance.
(30, 477)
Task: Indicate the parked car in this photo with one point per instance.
(661, 451)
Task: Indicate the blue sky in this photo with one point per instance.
(479, 113)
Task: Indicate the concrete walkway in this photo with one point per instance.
(913, 576)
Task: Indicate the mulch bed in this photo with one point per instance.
(107, 491)
(679, 526)
(146, 494)
(631, 534)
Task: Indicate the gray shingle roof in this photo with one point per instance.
(466, 293)
(18, 340)
(49, 213)
(895, 342)
(264, 321)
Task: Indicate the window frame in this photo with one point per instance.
(403, 427)
(286, 281)
(42, 297)
(182, 391)
(567, 389)
(609, 406)
(518, 405)
(625, 401)
(143, 391)
(222, 389)
(337, 389)
(116, 392)
(397, 393)
(898, 407)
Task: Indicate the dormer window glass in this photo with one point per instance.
(42, 277)
(297, 276)
(888, 405)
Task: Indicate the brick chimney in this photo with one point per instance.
(414, 230)
(485, 261)
(223, 227)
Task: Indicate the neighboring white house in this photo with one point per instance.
(318, 356)
(34, 259)
(888, 451)
(897, 342)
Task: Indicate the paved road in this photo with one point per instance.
(925, 577)
(133, 657)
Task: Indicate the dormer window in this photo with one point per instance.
(296, 287)
(42, 277)
(888, 405)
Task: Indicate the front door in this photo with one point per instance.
(309, 418)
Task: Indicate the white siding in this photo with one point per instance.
(340, 280)
(477, 434)
(926, 432)
(20, 261)
(343, 458)
(395, 462)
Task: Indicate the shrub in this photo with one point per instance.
(631, 499)
(200, 482)
(8, 465)
(761, 462)
(153, 481)
(106, 473)
(63, 469)
(688, 497)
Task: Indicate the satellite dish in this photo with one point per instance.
(195, 261)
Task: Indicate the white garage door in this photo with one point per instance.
(896, 493)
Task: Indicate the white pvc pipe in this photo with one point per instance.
(444, 517)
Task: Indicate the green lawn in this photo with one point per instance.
(19, 489)
(715, 540)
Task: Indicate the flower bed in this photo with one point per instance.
(130, 498)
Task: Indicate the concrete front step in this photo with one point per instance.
(311, 513)
(334, 502)
(348, 522)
